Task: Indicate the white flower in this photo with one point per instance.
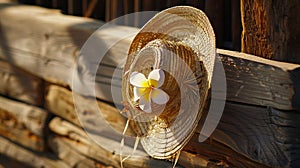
(147, 90)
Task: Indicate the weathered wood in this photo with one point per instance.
(262, 134)
(247, 136)
(64, 103)
(60, 102)
(41, 49)
(257, 81)
(22, 123)
(74, 138)
(68, 153)
(48, 44)
(271, 29)
(20, 85)
(19, 155)
(49, 50)
(8, 162)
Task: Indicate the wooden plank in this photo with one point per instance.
(60, 102)
(50, 50)
(271, 29)
(33, 53)
(265, 135)
(268, 83)
(20, 85)
(257, 81)
(19, 155)
(74, 138)
(8, 162)
(247, 136)
(22, 123)
(68, 154)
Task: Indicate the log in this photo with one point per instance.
(60, 101)
(19, 156)
(68, 154)
(262, 134)
(58, 37)
(8, 162)
(22, 123)
(20, 85)
(256, 88)
(50, 48)
(271, 29)
(69, 138)
(112, 116)
(247, 136)
(256, 81)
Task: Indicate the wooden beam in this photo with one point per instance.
(20, 85)
(71, 138)
(22, 123)
(26, 158)
(49, 50)
(262, 134)
(60, 102)
(257, 81)
(271, 29)
(246, 135)
(53, 50)
(68, 153)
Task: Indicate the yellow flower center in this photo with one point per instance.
(148, 86)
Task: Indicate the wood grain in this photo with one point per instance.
(262, 134)
(20, 85)
(50, 50)
(60, 101)
(75, 139)
(257, 81)
(22, 123)
(247, 136)
(253, 132)
(271, 29)
(21, 156)
(68, 154)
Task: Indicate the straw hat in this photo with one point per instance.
(179, 43)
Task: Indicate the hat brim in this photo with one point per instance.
(191, 27)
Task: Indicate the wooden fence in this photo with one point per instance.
(39, 128)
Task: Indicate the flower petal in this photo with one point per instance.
(158, 96)
(138, 79)
(145, 103)
(140, 91)
(157, 75)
